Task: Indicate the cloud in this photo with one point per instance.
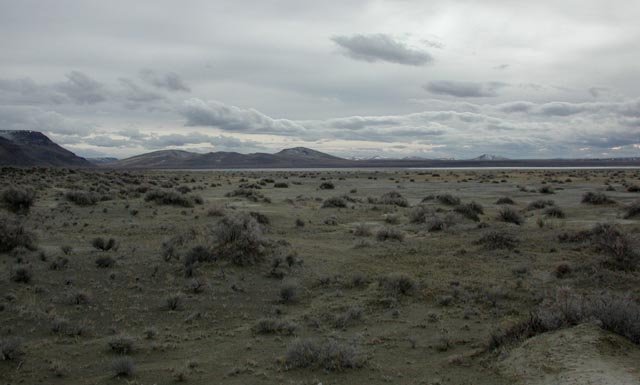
(26, 91)
(169, 81)
(134, 93)
(37, 119)
(381, 47)
(231, 118)
(464, 89)
(82, 89)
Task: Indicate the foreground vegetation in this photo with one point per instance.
(416, 277)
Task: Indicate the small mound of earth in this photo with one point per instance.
(582, 355)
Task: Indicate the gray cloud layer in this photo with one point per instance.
(229, 73)
(464, 89)
(381, 47)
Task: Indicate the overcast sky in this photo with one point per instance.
(522, 79)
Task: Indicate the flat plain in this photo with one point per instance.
(308, 277)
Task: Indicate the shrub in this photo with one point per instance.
(419, 214)
(77, 297)
(596, 198)
(546, 190)
(327, 186)
(350, 316)
(302, 353)
(470, 210)
(396, 284)
(448, 199)
(240, 240)
(121, 344)
(21, 274)
(13, 234)
(198, 254)
(633, 188)
(299, 222)
(389, 234)
(330, 355)
(82, 198)
(495, 240)
(633, 210)
(17, 200)
(617, 314)
(174, 302)
(123, 367)
(172, 198)
(562, 270)
(10, 348)
(507, 214)
(289, 291)
(334, 202)
(248, 193)
(617, 245)
(540, 204)
(260, 218)
(554, 212)
(275, 326)
(505, 201)
(393, 198)
(280, 185)
(105, 262)
(104, 245)
(362, 230)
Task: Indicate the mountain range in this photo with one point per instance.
(32, 148)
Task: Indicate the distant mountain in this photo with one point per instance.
(490, 157)
(33, 148)
(102, 161)
(176, 159)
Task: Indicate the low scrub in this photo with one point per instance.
(615, 313)
(505, 201)
(633, 210)
(495, 240)
(540, 204)
(507, 214)
(390, 234)
(596, 198)
(448, 199)
(334, 202)
(17, 200)
(240, 240)
(13, 235)
(275, 326)
(470, 210)
(397, 284)
(248, 193)
(104, 244)
(330, 355)
(172, 198)
(554, 212)
(82, 198)
(10, 348)
(393, 198)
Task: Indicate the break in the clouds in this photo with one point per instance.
(381, 47)
(362, 78)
